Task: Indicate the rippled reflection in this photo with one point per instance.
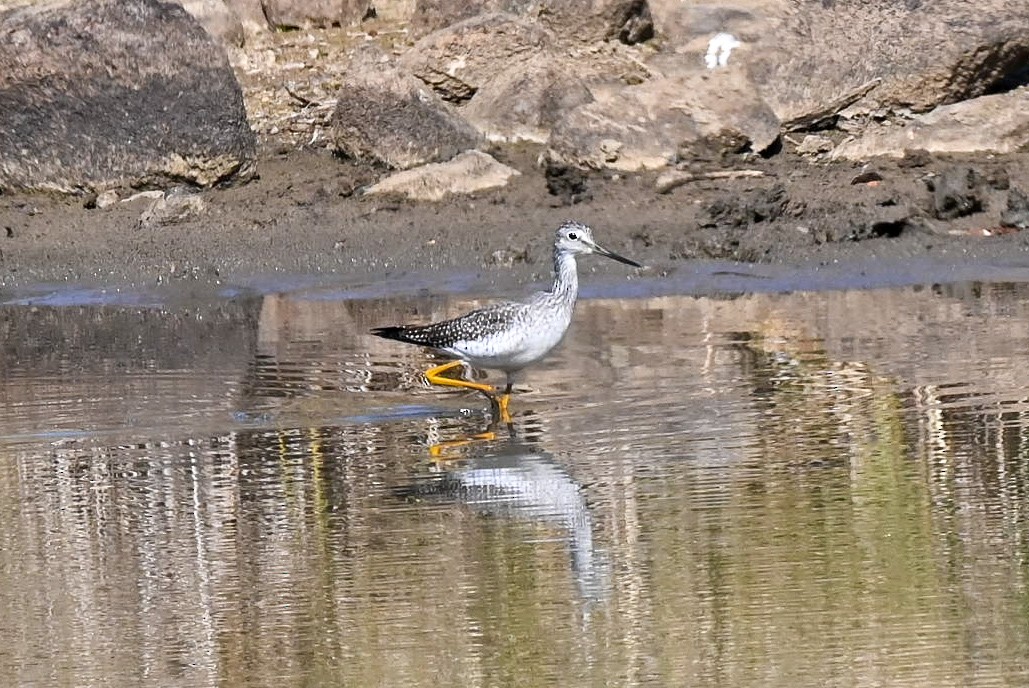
(804, 489)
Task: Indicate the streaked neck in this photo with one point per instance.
(566, 276)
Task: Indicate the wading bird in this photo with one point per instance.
(513, 335)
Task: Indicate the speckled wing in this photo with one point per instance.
(483, 324)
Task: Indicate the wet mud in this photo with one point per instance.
(306, 216)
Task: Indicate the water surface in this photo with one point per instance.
(816, 488)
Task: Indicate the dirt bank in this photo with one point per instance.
(305, 215)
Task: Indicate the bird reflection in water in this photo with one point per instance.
(499, 474)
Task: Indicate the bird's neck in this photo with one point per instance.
(566, 277)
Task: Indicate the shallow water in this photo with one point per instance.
(823, 489)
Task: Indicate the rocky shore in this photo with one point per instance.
(143, 143)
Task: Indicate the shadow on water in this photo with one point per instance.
(773, 489)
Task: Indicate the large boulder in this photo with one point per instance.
(514, 79)
(99, 94)
(824, 53)
(385, 115)
(526, 100)
(812, 58)
(587, 20)
(990, 124)
(688, 114)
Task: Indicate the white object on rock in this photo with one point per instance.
(719, 48)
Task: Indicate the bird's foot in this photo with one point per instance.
(441, 450)
(435, 377)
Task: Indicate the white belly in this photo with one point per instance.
(517, 347)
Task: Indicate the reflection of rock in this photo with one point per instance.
(995, 124)
(385, 115)
(104, 93)
(467, 173)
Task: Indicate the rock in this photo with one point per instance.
(100, 94)
(815, 145)
(526, 100)
(386, 115)
(250, 14)
(295, 14)
(106, 199)
(988, 124)
(217, 19)
(569, 185)
(628, 21)
(1017, 212)
(813, 54)
(689, 27)
(172, 208)
(693, 114)
(955, 193)
(467, 173)
(458, 60)
(743, 210)
(510, 76)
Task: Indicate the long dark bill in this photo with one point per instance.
(614, 256)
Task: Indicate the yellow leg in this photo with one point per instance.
(435, 377)
(505, 399)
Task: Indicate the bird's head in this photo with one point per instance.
(575, 238)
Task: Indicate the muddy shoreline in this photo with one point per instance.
(305, 218)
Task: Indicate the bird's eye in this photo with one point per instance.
(573, 236)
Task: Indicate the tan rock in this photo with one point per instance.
(467, 173)
(989, 124)
(650, 125)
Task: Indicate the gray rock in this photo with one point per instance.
(666, 118)
(989, 124)
(628, 21)
(1016, 214)
(98, 94)
(386, 115)
(467, 173)
(294, 14)
(955, 192)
